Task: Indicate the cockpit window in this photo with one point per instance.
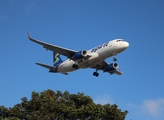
(120, 40)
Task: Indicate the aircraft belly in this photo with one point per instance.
(67, 66)
(90, 63)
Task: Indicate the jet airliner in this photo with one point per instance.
(93, 58)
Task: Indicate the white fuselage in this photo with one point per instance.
(98, 55)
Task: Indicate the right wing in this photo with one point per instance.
(63, 51)
(118, 72)
(102, 65)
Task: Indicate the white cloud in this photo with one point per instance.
(150, 108)
(103, 99)
(155, 108)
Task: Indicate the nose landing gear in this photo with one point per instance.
(114, 58)
(96, 74)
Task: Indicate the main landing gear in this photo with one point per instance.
(75, 66)
(96, 74)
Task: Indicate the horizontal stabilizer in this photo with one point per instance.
(46, 66)
(49, 67)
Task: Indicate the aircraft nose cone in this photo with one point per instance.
(126, 44)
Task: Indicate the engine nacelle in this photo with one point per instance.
(111, 67)
(79, 55)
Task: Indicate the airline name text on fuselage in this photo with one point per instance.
(99, 47)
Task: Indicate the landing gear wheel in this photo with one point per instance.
(75, 66)
(114, 58)
(96, 74)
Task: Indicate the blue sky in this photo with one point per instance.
(83, 24)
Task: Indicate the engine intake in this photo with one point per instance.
(111, 67)
(79, 55)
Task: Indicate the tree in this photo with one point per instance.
(50, 105)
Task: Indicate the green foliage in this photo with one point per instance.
(50, 105)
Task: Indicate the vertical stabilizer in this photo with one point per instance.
(56, 59)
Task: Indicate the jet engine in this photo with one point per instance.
(79, 55)
(111, 67)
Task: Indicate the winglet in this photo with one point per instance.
(29, 36)
(121, 72)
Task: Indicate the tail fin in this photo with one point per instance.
(56, 59)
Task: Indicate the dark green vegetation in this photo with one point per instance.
(50, 105)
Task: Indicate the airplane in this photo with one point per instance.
(93, 58)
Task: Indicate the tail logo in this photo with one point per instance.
(56, 58)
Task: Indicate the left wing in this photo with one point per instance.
(63, 51)
(102, 65)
